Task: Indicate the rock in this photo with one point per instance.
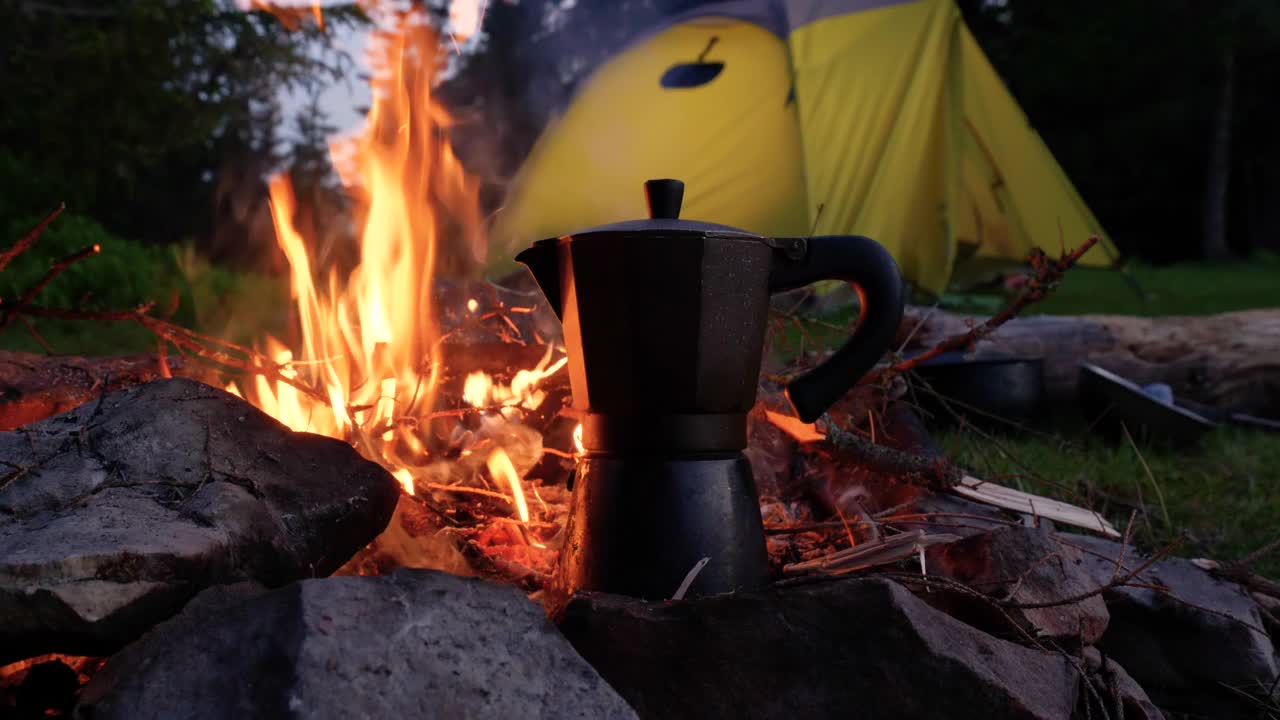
(864, 648)
(1183, 645)
(1036, 569)
(114, 514)
(1269, 607)
(1116, 687)
(416, 643)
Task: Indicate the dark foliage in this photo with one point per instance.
(130, 111)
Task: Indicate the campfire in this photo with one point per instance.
(373, 365)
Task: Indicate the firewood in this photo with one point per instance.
(1230, 360)
(33, 387)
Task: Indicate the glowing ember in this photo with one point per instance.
(14, 673)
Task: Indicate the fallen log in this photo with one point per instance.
(1231, 360)
(34, 387)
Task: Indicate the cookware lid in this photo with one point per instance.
(664, 197)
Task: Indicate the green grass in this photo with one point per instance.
(1147, 290)
(1224, 495)
(185, 289)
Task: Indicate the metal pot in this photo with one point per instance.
(992, 392)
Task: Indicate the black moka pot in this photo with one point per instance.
(664, 323)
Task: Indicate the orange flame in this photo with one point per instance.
(370, 345)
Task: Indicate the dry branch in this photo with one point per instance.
(29, 239)
(883, 551)
(1046, 274)
(935, 473)
(219, 352)
(10, 311)
(1111, 585)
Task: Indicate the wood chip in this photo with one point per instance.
(1000, 496)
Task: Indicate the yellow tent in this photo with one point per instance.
(793, 117)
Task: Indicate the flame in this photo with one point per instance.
(577, 440)
(406, 479)
(501, 467)
(368, 341)
(480, 391)
(367, 366)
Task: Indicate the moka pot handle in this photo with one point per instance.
(869, 267)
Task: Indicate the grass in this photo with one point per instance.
(1224, 495)
(1148, 290)
(237, 306)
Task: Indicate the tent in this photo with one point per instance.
(794, 117)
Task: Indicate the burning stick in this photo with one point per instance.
(943, 476)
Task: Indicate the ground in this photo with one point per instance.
(1224, 495)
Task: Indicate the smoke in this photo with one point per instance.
(535, 55)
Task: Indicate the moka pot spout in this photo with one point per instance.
(542, 260)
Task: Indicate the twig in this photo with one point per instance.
(27, 240)
(188, 340)
(31, 330)
(1238, 572)
(1115, 583)
(469, 490)
(1124, 545)
(11, 311)
(945, 583)
(884, 520)
(936, 473)
(1022, 578)
(1258, 554)
(871, 553)
(689, 578)
(1047, 273)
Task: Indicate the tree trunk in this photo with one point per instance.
(1230, 360)
(1218, 177)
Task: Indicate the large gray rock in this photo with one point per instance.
(1186, 644)
(864, 648)
(413, 644)
(1028, 565)
(114, 514)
